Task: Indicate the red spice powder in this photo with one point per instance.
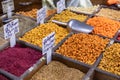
(18, 59)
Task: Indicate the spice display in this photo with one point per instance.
(18, 59)
(25, 24)
(36, 35)
(87, 10)
(83, 47)
(32, 13)
(57, 71)
(109, 13)
(104, 26)
(111, 59)
(67, 15)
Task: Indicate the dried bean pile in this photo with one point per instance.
(32, 13)
(104, 26)
(67, 15)
(109, 13)
(36, 35)
(57, 71)
(83, 47)
(111, 59)
(87, 10)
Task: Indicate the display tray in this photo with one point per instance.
(102, 74)
(79, 13)
(108, 13)
(99, 23)
(25, 24)
(68, 62)
(63, 41)
(29, 71)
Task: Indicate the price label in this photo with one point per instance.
(41, 15)
(11, 28)
(7, 3)
(60, 6)
(48, 43)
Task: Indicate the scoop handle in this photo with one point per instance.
(60, 23)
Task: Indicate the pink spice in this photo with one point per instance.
(18, 59)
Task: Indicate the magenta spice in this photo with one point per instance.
(2, 77)
(18, 59)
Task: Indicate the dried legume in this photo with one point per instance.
(83, 47)
(104, 26)
(32, 13)
(36, 35)
(67, 15)
(87, 10)
(109, 13)
(57, 71)
(111, 59)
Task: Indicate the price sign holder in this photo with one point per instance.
(41, 15)
(47, 45)
(60, 6)
(6, 4)
(10, 29)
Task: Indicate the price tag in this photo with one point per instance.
(47, 45)
(60, 6)
(7, 3)
(41, 15)
(11, 28)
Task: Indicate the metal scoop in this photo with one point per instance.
(76, 26)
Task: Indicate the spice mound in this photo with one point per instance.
(109, 13)
(67, 15)
(36, 35)
(32, 13)
(57, 71)
(111, 59)
(88, 10)
(104, 26)
(18, 59)
(83, 47)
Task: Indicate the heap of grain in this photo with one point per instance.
(57, 71)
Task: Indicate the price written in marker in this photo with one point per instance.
(7, 3)
(41, 15)
(11, 28)
(60, 6)
(47, 45)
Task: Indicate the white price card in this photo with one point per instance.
(7, 3)
(48, 43)
(60, 6)
(11, 28)
(41, 15)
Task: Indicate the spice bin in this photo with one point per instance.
(22, 70)
(103, 26)
(108, 12)
(64, 61)
(108, 67)
(36, 35)
(76, 47)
